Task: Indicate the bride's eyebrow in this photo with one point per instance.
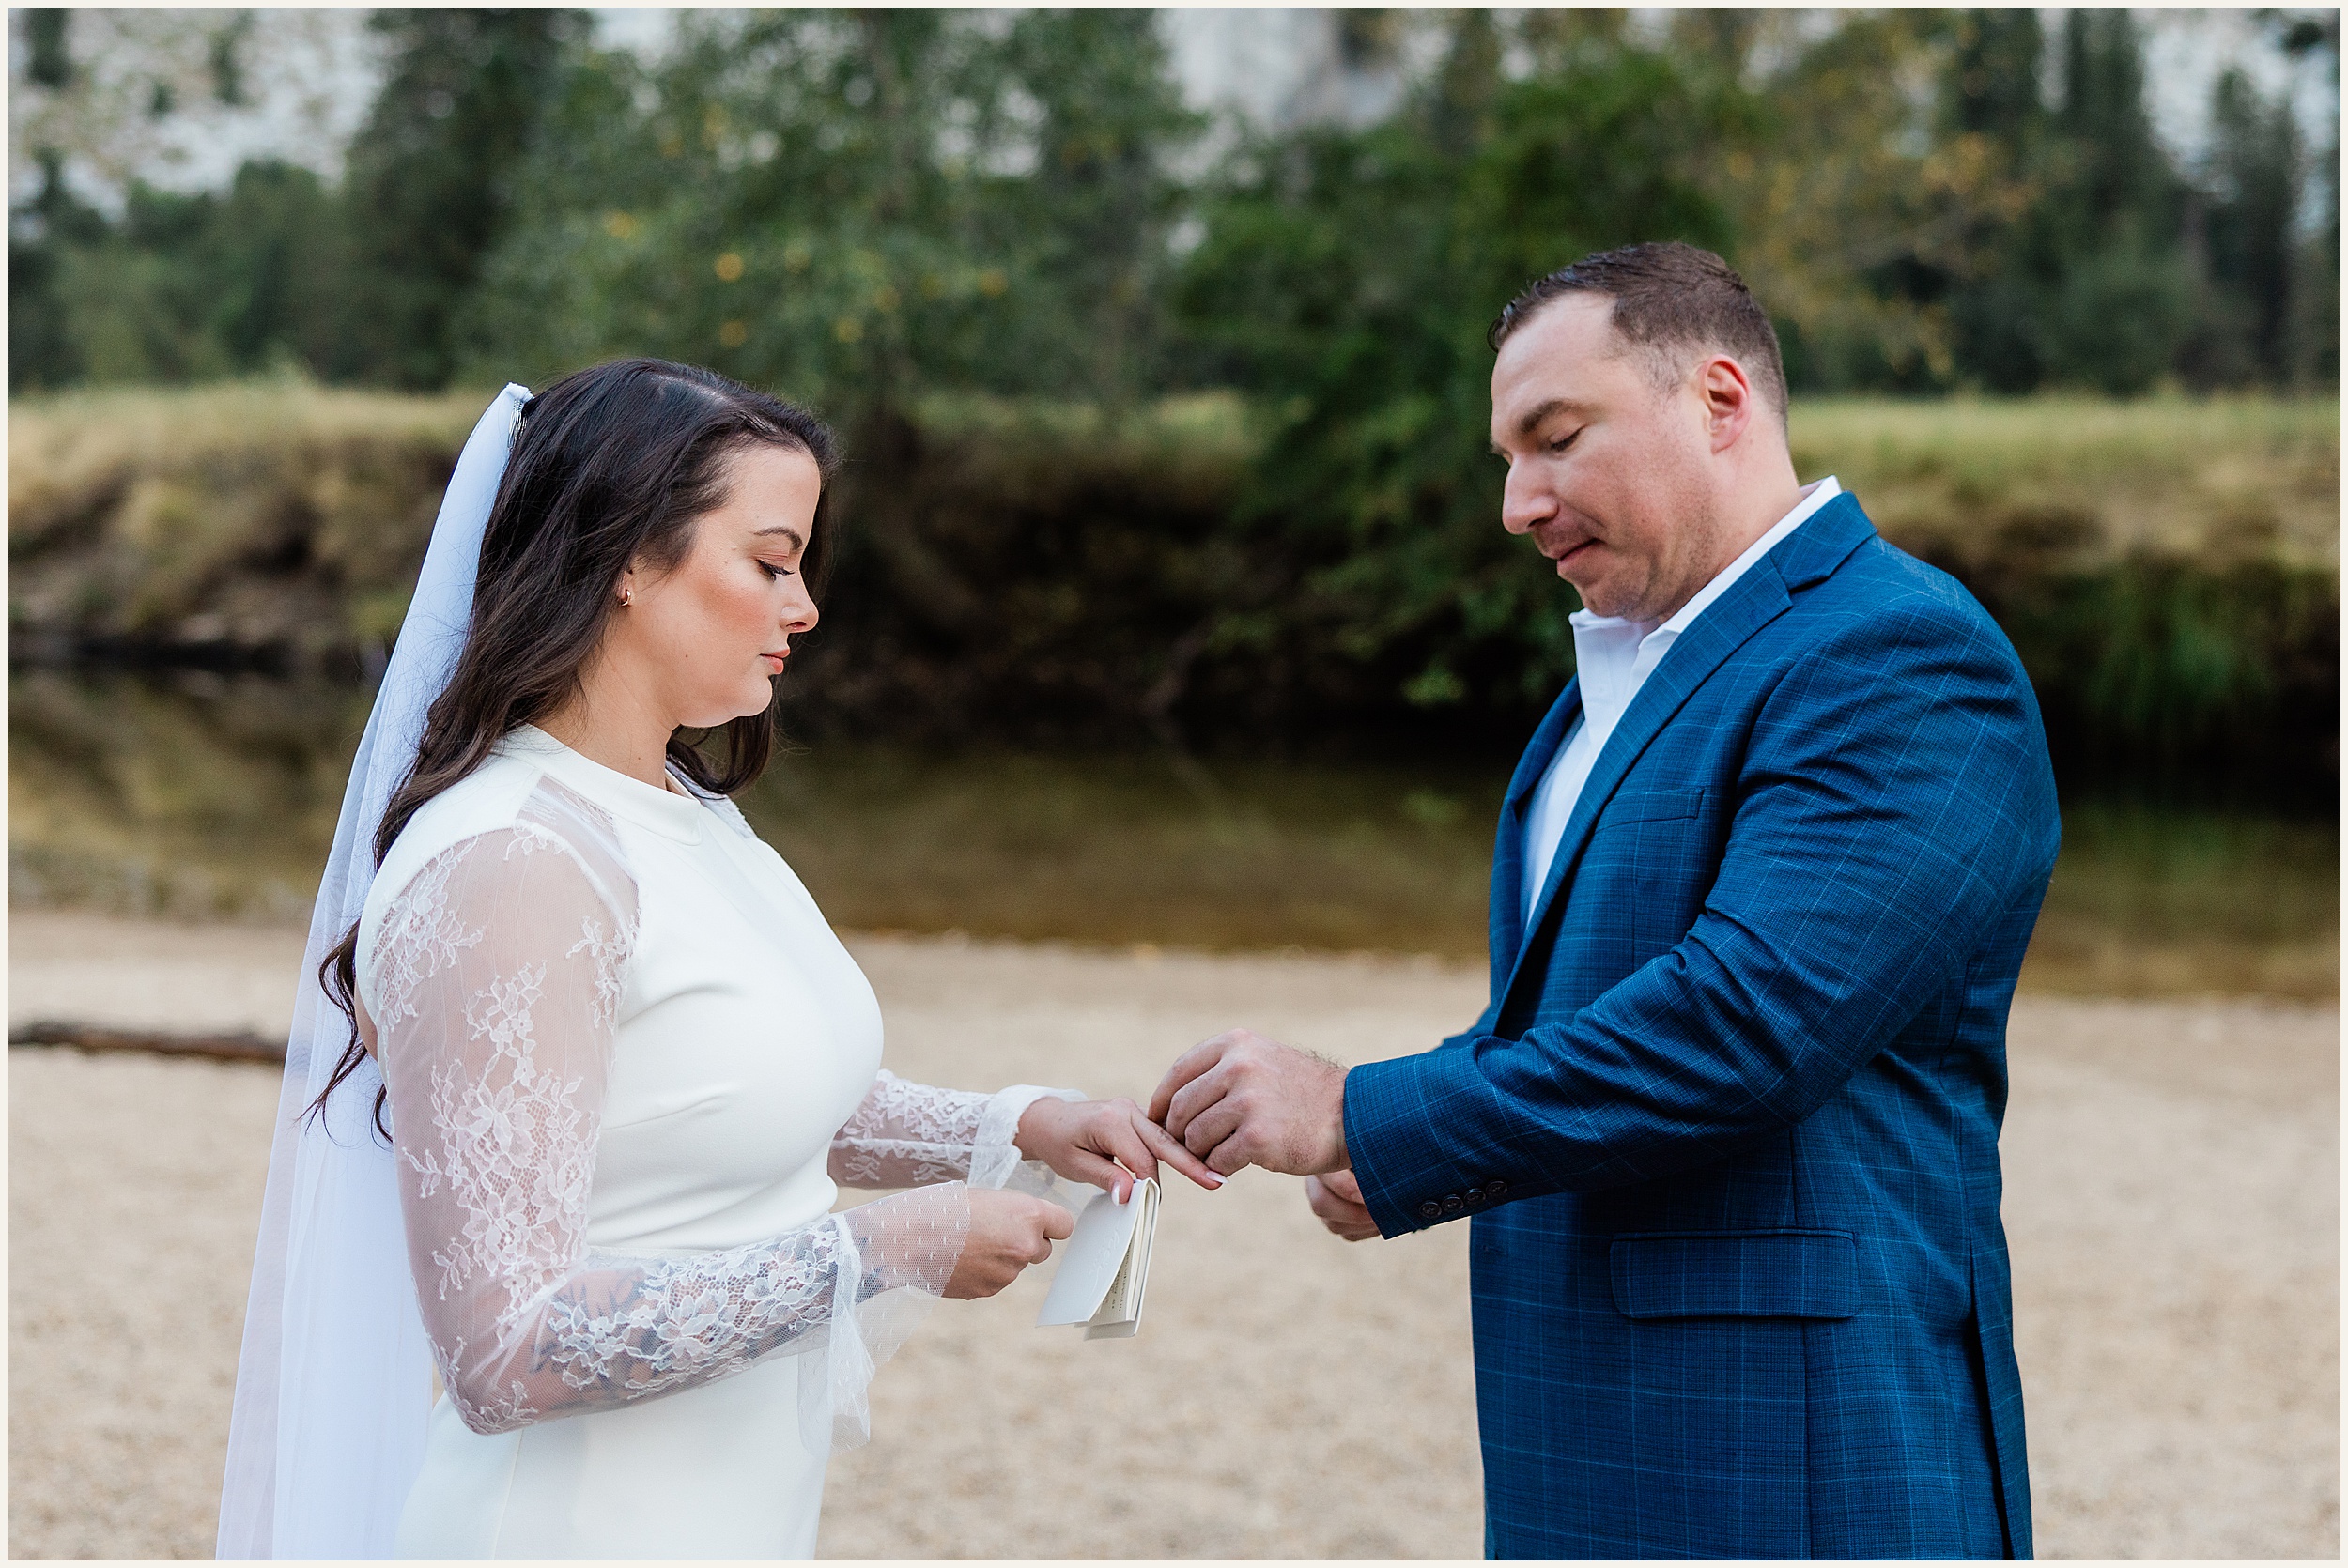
(798, 541)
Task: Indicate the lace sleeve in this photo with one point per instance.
(913, 1134)
(498, 976)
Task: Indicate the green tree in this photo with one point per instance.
(1864, 208)
(855, 207)
(42, 351)
(1347, 278)
(48, 43)
(858, 209)
(1998, 313)
(2117, 273)
(2247, 220)
(2314, 329)
(1090, 224)
(184, 288)
(2087, 286)
(428, 185)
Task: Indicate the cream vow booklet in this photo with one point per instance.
(1104, 1266)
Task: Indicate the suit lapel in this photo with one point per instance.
(1809, 554)
(1508, 913)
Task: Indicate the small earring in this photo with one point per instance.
(627, 597)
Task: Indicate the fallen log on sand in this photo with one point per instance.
(241, 1046)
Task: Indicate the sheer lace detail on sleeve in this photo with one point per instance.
(909, 1135)
(497, 981)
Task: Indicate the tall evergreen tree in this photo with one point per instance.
(2255, 175)
(43, 351)
(428, 187)
(2315, 328)
(1998, 317)
(2088, 286)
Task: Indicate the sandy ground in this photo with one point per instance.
(2172, 1181)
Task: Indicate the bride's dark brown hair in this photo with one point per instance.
(610, 468)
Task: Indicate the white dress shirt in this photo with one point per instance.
(1614, 657)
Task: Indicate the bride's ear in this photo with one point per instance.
(627, 590)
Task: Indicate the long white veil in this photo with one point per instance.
(335, 1379)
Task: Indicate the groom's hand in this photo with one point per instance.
(1239, 1100)
(1337, 1197)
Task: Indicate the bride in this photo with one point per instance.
(618, 1063)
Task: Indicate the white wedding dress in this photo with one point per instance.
(627, 1062)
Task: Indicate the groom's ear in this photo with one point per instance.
(1731, 404)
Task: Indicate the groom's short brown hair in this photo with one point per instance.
(1671, 300)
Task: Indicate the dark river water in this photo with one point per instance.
(195, 795)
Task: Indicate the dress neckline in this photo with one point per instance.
(667, 812)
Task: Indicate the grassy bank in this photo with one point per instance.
(210, 798)
(272, 517)
(200, 481)
(1049, 575)
(2211, 480)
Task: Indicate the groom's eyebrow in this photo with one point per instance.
(1540, 416)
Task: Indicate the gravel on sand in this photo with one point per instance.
(2172, 1197)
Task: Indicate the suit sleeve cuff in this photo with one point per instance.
(1412, 1173)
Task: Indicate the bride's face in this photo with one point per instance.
(704, 640)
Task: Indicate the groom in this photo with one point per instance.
(1727, 1130)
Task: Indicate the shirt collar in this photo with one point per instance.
(1813, 496)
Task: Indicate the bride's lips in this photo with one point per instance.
(774, 660)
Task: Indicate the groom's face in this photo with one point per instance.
(1607, 471)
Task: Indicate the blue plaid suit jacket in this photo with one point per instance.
(1728, 1129)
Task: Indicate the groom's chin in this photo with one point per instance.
(1599, 597)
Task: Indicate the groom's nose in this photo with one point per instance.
(1526, 500)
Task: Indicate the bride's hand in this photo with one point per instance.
(1008, 1232)
(1106, 1143)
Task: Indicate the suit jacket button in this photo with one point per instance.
(1430, 1209)
(1451, 1203)
(1495, 1190)
(1475, 1194)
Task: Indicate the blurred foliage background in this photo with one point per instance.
(1167, 428)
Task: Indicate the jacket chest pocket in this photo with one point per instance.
(1652, 855)
(1770, 1274)
(1652, 806)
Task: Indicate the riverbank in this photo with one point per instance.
(195, 796)
(2173, 1200)
(2168, 569)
